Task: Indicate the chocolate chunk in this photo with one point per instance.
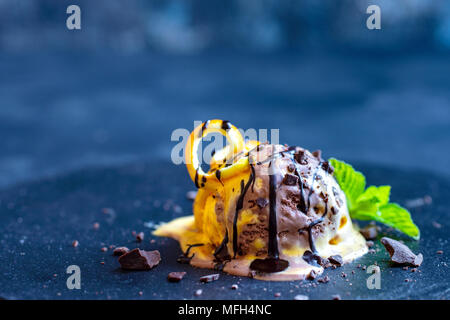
(120, 251)
(75, 243)
(400, 253)
(234, 287)
(104, 249)
(327, 167)
(290, 180)
(262, 202)
(369, 244)
(210, 278)
(314, 259)
(336, 297)
(369, 232)
(277, 294)
(140, 236)
(325, 279)
(137, 259)
(175, 276)
(317, 154)
(336, 260)
(312, 275)
(300, 157)
(440, 252)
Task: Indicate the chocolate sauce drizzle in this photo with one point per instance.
(273, 239)
(272, 263)
(302, 204)
(225, 125)
(317, 221)
(196, 179)
(218, 173)
(239, 206)
(184, 258)
(221, 253)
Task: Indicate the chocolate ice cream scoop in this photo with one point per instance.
(259, 214)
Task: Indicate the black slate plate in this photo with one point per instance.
(39, 221)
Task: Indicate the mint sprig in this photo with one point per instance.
(371, 203)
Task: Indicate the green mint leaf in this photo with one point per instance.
(390, 214)
(379, 195)
(372, 203)
(399, 218)
(352, 182)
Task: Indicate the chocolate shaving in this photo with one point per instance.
(210, 278)
(137, 259)
(400, 253)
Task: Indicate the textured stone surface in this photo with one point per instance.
(39, 221)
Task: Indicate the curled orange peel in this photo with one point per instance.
(227, 162)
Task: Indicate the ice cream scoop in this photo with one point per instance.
(267, 211)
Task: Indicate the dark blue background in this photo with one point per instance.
(114, 91)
